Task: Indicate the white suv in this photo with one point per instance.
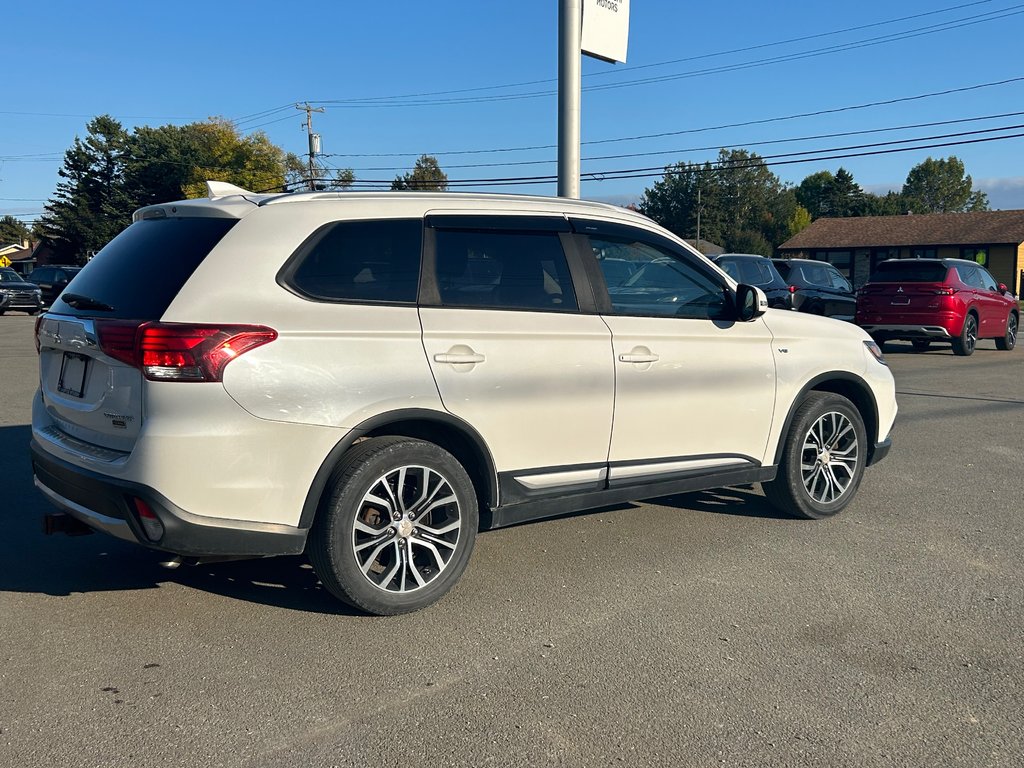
(371, 378)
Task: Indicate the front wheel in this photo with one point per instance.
(823, 458)
(968, 339)
(1009, 341)
(397, 526)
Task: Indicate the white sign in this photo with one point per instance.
(606, 29)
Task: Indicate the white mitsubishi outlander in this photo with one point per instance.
(373, 378)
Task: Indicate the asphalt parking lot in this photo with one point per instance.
(698, 630)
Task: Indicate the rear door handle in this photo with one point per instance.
(458, 359)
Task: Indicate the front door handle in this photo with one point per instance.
(639, 355)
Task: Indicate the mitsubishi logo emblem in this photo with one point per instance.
(900, 289)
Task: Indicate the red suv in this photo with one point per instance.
(926, 300)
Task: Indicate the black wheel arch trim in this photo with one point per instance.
(383, 421)
(870, 419)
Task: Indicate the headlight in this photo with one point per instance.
(876, 351)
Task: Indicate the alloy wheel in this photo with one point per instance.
(829, 457)
(407, 529)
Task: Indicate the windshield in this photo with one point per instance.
(8, 275)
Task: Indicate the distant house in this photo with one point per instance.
(994, 239)
(18, 254)
(706, 247)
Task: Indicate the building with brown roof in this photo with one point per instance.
(994, 239)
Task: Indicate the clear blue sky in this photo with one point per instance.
(154, 63)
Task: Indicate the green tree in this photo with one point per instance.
(425, 175)
(12, 231)
(824, 194)
(250, 162)
(798, 221)
(890, 204)
(297, 175)
(942, 186)
(90, 204)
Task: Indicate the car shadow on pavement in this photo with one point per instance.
(739, 501)
(60, 566)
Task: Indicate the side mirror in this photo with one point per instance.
(1003, 288)
(751, 302)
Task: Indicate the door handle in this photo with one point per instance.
(634, 357)
(458, 358)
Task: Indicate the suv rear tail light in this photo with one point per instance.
(179, 351)
(944, 290)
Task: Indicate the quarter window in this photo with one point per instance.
(362, 261)
(503, 270)
(662, 283)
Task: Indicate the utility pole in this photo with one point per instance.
(314, 140)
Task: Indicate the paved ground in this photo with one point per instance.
(698, 630)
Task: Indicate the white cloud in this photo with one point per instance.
(1003, 194)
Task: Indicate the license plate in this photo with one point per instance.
(900, 302)
(72, 374)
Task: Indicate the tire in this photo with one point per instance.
(1009, 341)
(804, 486)
(372, 519)
(920, 345)
(964, 345)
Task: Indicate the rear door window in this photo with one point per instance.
(141, 270)
(503, 270)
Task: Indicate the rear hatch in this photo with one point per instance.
(92, 387)
(904, 292)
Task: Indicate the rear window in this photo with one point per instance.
(909, 271)
(141, 270)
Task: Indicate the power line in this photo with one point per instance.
(715, 54)
(870, 42)
(863, 132)
(705, 129)
(781, 159)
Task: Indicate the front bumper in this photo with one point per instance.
(107, 505)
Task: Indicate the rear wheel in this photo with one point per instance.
(397, 526)
(1009, 341)
(823, 458)
(968, 339)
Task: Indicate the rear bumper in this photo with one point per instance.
(880, 451)
(107, 505)
(910, 331)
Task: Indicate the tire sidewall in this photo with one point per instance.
(809, 412)
(343, 504)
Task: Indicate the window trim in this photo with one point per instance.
(589, 227)
(286, 274)
(430, 291)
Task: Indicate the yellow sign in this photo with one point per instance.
(4, 261)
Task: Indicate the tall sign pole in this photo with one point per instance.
(570, 26)
(598, 28)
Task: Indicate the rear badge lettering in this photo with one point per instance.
(119, 421)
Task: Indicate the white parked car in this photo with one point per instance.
(371, 378)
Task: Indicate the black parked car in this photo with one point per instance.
(16, 294)
(818, 288)
(756, 270)
(53, 279)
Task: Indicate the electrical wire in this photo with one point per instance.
(870, 42)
